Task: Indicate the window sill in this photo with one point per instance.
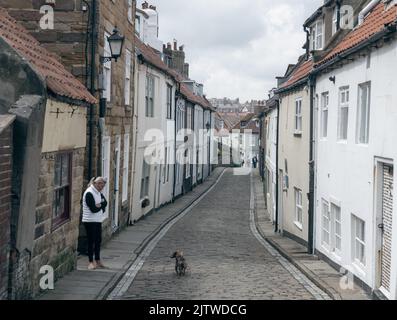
(359, 267)
(341, 141)
(57, 224)
(298, 225)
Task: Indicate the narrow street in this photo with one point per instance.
(226, 260)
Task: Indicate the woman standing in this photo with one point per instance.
(94, 206)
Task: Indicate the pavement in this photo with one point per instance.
(317, 270)
(121, 251)
(223, 228)
(227, 259)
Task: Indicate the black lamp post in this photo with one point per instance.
(116, 42)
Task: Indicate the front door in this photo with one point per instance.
(116, 172)
(385, 219)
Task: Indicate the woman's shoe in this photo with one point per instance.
(91, 266)
(99, 265)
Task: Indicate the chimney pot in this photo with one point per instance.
(145, 5)
(175, 45)
(152, 7)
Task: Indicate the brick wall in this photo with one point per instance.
(68, 39)
(5, 207)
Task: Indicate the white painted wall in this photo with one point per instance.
(345, 170)
(159, 192)
(271, 161)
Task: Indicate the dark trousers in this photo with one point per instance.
(94, 239)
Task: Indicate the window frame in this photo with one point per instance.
(335, 20)
(169, 101)
(325, 204)
(107, 69)
(298, 116)
(324, 114)
(343, 105)
(359, 133)
(126, 160)
(149, 96)
(63, 218)
(298, 208)
(316, 35)
(356, 240)
(127, 80)
(145, 180)
(130, 9)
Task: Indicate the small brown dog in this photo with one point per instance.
(180, 263)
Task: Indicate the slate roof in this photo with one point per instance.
(58, 80)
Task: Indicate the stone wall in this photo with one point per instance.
(5, 207)
(56, 247)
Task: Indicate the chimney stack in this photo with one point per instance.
(145, 5)
(175, 45)
(181, 48)
(169, 46)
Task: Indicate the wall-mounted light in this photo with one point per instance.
(332, 79)
(116, 41)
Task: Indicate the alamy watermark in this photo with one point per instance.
(47, 280)
(47, 20)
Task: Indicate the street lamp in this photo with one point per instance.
(116, 41)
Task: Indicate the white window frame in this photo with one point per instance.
(344, 99)
(126, 163)
(335, 26)
(298, 208)
(335, 222)
(187, 165)
(127, 84)
(325, 224)
(298, 116)
(145, 180)
(149, 96)
(107, 69)
(362, 134)
(317, 35)
(324, 114)
(169, 101)
(130, 11)
(357, 242)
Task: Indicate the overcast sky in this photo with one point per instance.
(236, 48)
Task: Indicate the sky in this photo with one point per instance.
(236, 48)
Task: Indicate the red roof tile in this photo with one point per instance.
(372, 24)
(299, 73)
(58, 79)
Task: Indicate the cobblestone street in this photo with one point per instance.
(226, 260)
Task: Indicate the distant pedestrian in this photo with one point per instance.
(94, 206)
(255, 161)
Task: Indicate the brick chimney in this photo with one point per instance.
(175, 45)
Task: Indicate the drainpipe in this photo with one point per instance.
(92, 88)
(277, 168)
(311, 169)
